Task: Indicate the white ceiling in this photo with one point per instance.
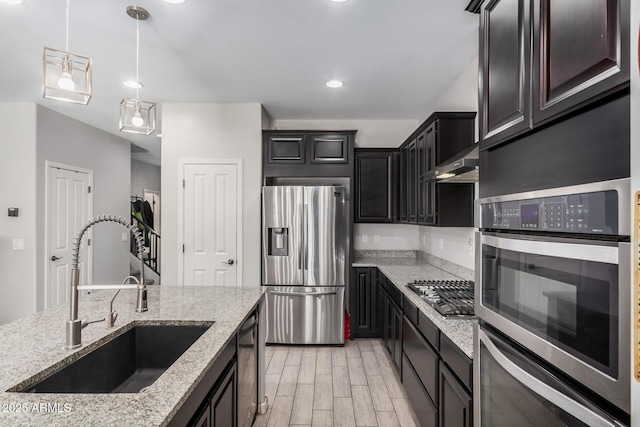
(394, 56)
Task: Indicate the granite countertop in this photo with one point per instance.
(405, 270)
(33, 347)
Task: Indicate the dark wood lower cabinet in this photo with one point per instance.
(424, 408)
(363, 303)
(213, 402)
(221, 409)
(456, 404)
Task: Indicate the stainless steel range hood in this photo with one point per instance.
(461, 168)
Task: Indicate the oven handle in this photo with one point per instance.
(597, 253)
(567, 404)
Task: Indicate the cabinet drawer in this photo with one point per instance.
(410, 310)
(423, 358)
(457, 361)
(429, 330)
(424, 408)
(394, 293)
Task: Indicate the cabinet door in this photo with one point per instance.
(430, 146)
(412, 181)
(580, 51)
(404, 189)
(504, 92)
(421, 144)
(285, 149)
(397, 336)
(364, 305)
(205, 419)
(329, 148)
(381, 312)
(373, 182)
(223, 402)
(422, 201)
(456, 405)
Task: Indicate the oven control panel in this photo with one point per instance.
(589, 213)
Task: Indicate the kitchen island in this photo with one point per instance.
(33, 347)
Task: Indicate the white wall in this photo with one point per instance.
(371, 133)
(65, 140)
(212, 131)
(461, 95)
(144, 176)
(386, 236)
(18, 190)
(635, 174)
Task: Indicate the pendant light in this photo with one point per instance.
(137, 115)
(66, 76)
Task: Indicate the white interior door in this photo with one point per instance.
(210, 212)
(69, 206)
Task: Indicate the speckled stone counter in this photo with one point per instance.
(33, 347)
(405, 270)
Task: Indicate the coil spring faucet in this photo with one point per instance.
(74, 325)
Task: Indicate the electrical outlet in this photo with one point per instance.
(470, 244)
(376, 238)
(365, 238)
(424, 240)
(441, 243)
(18, 244)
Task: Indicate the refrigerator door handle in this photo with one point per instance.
(302, 240)
(303, 294)
(305, 243)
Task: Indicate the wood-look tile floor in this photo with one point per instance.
(354, 385)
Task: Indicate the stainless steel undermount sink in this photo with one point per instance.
(126, 364)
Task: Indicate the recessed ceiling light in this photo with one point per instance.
(337, 1)
(132, 84)
(177, 1)
(334, 83)
(12, 1)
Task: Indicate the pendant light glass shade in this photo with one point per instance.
(66, 76)
(137, 116)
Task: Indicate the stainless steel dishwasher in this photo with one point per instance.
(247, 371)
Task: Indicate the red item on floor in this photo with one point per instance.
(347, 325)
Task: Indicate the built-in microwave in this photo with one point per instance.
(553, 274)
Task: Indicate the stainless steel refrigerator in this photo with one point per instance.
(305, 239)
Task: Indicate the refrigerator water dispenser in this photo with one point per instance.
(278, 241)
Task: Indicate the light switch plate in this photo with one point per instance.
(365, 238)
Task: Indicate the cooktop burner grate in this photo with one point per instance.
(447, 297)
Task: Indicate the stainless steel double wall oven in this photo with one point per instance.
(553, 298)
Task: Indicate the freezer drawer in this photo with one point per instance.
(305, 315)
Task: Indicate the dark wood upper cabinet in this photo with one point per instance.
(543, 59)
(285, 149)
(329, 148)
(307, 153)
(375, 197)
(412, 181)
(403, 181)
(504, 85)
(580, 53)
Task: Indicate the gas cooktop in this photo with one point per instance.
(447, 297)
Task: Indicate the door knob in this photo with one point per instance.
(55, 258)
(230, 262)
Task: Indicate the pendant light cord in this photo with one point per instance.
(66, 39)
(137, 56)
